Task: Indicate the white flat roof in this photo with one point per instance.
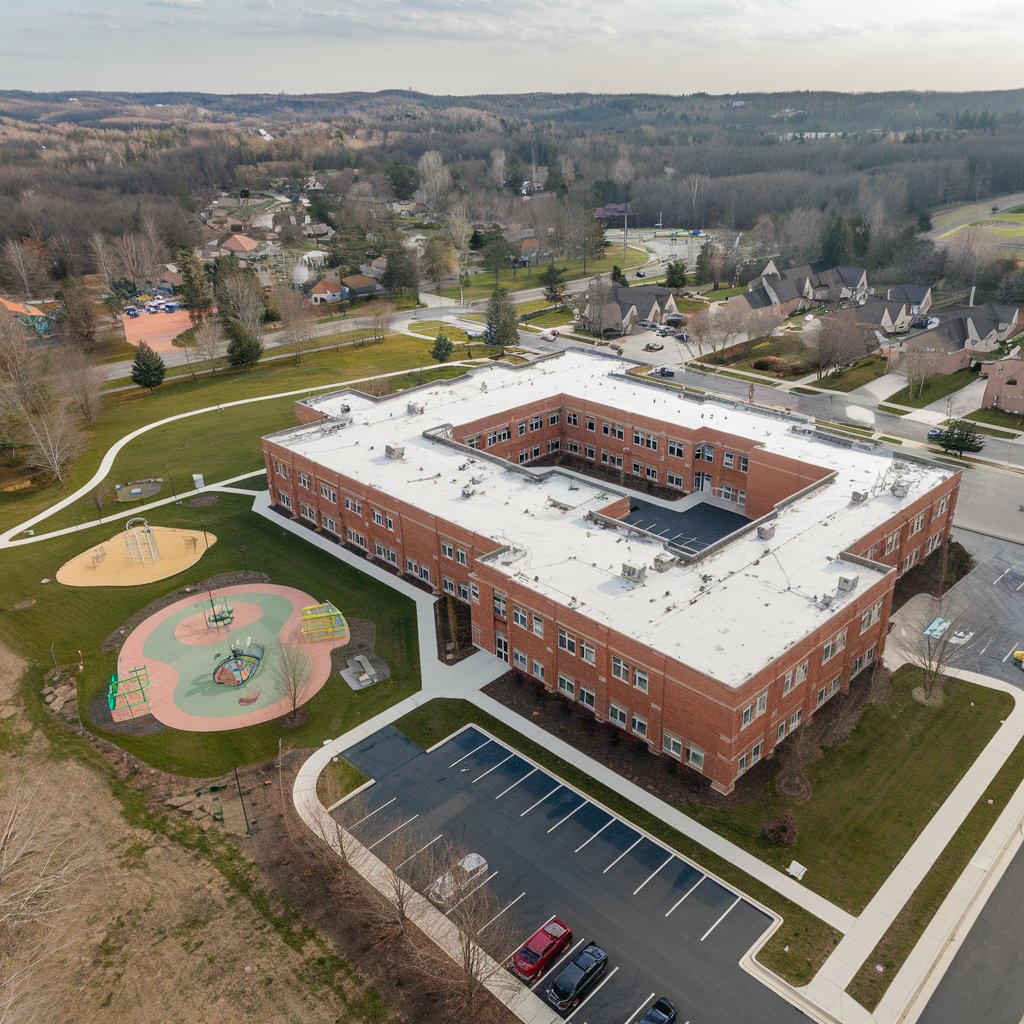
(729, 614)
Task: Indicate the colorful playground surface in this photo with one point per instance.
(213, 661)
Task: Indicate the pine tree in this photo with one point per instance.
(148, 369)
(675, 274)
(244, 348)
(443, 348)
(502, 320)
(195, 290)
(960, 436)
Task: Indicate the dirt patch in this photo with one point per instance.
(22, 605)
(202, 500)
(362, 638)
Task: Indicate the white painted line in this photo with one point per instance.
(470, 893)
(1000, 576)
(540, 801)
(514, 784)
(642, 1006)
(671, 857)
(687, 893)
(721, 919)
(392, 832)
(473, 751)
(371, 814)
(620, 856)
(608, 977)
(1010, 652)
(568, 816)
(502, 911)
(553, 969)
(594, 836)
(489, 770)
(418, 852)
(1019, 586)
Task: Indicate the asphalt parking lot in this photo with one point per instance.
(668, 928)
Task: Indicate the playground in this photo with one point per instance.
(138, 554)
(226, 659)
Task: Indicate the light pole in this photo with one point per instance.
(243, 549)
(1009, 454)
(206, 540)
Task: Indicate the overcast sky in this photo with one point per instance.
(470, 46)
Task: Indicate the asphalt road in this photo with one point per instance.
(668, 928)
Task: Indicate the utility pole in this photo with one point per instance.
(241, 800)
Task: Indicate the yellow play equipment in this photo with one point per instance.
(324, 622)
(1018, 656)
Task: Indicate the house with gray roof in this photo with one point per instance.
(807, 286)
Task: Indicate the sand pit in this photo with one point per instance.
(112, 564)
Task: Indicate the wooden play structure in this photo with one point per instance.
(324, 622)
(127, 696)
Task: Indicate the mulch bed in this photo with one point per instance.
(362, 637)
(453, 619)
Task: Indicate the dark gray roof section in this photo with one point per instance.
(913, 294)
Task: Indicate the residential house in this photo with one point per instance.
(916, 297)
(1004, 388)
(890, 317)
(621, 309)
(319, 232)
(375, 268)
(804, 287)
(362, 287)
(244, 247)
(40, 323)
(327, 292)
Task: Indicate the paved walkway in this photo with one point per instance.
(961, 402)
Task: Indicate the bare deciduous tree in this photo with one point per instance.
(435, 178)
(839, 340)
(381, 315)
(292, 676)
(240, 298)
(296, 320)
(496, 167)
(80, 381)
(102, 258)
(209, 341)
(52, 438)
(24, 266)
(917, 364)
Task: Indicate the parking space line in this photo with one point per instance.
(392, 832)
(620, 856)
(489, 770)
(1010, 652)
(568, 816)
(502, 911)
(473, 751)
(1000, 576)
(540, 801)
(418, 852)
(721, 919)
(642, 1006)
(371, 814)
(470, 893)
(514, 784)
(553, 969)
(670, 858)
(608, 977)
(595, 835)
(687, 893)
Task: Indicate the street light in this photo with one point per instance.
(1009, 454)
(202, 526)
(243, 549)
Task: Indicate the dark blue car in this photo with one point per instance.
(935, 433)
(577, 977)
(662, 1012)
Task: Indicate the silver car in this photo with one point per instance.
(457, 879)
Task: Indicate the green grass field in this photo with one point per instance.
(997, 418)
(939, 385)
(80, 618)
(852, 377)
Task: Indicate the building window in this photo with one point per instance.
(695, 758)
(499, 605)
(329, 493)
(304, 480)
(588, 652)
(354, 505)
(891, 541)
(412, 566)
(933, 542)
(501, 647)
(524, 457)
(617, 715)
(553, 418)
(386, 554)
(871, 616)
(463, 592)
(572, 419)
(447, 585)
(591, 424)
(572, 447)
(536, 423)
(652, 442)
(728, 458)
(519, 616)
(821, 697)
(285, 498)
(639, 725)
(620, 669)
(378, 517)
(554, 445)
(447, 550)
(640, 680)
(473, 442)
(916, 524)
(834, 646)
(538, 669)
(672, 745)
(787, 683)
(425, 573)
(911, 560)
(566, 686)
(307, 512)
(704, 453)
(676, 448)
(281, 470)
(590, 452)
(638, 439)
(674, 480)
(474, 593)
(538, 625)
(741, 497)
(762, 704)
(744, 463)
(780, 733)
(389, 523)
(587, 698)
(638, 469)
(356, 538)
(330, 524)
(747, 717)
(521, 429)
(795, 719)
(801, 672)
(535, 452)
(461, 557)
(652, 472)
(942, 506)
(566, 642)
(871, 552)
(519, 660)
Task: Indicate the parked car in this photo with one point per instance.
(577, 977)
(458, 879)
(648, 325)
(935, 433)
(682, 336)
(666, 372)
(662, 1012)
(640, 273)
(544, 947)
(652, 346)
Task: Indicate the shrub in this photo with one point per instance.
(780, 831)
(770, 363)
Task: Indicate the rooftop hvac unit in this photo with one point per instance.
(664, 562)
(633, 572)
(900, 489)
(394, 451)
(848, 582)
(766, 532)
(859, 497)
(414, 409)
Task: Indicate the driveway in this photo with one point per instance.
(960, 402)
(879, 389)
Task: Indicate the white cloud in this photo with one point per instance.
(184, 5)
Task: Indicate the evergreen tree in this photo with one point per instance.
(502, 320)
(244, 348)
(618, 277)
(704, 271)
(148, 369)
(443, 348)
(551, 279)
(675, 274)
(846, 239)
(960, 436)
(195, 290)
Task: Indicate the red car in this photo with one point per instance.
(542, 950)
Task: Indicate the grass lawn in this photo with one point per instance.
(81, 618)
(851, 377)
(868, 985)
(935, 387)
(556, 318)
(532, 306)
(718, 294)
(127, 410)
(796, 359)
(795, 952)
(997, 418)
